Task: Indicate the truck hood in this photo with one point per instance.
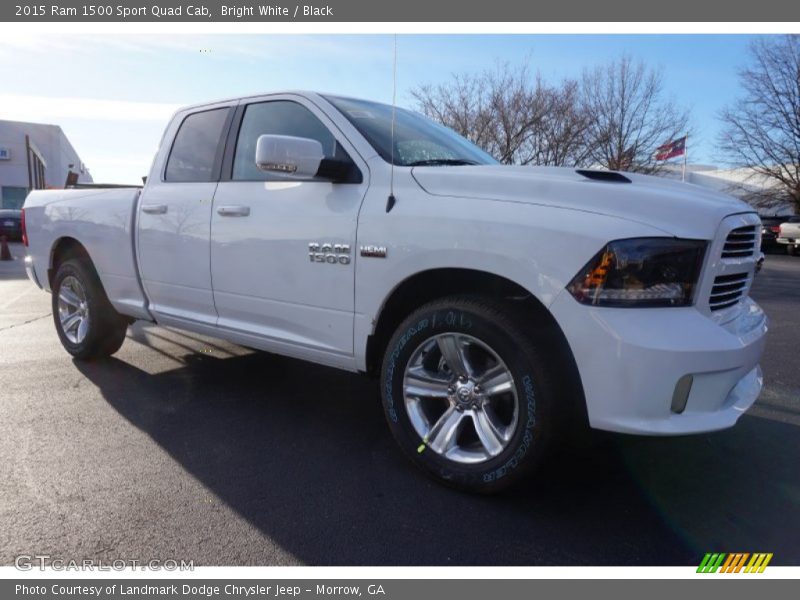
(677, 208)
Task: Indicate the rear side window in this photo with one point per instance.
(194, 150)
(278, 117)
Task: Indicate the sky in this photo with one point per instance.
(113, 95)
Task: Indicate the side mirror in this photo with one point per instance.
(293, 157)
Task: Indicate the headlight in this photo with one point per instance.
(641, 272)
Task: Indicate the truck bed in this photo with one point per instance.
(102, 219)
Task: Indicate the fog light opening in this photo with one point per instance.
(681, 394)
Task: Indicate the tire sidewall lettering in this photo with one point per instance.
(421, 325)
(527, 438)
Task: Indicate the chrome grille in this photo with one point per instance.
(727, 290)
(741, 242)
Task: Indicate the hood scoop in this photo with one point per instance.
(607, 176)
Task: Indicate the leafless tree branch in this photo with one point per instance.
(762, 128)
(629, 116)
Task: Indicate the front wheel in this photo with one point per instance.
(85, 320)
(467, 394)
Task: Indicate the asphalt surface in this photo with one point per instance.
(190, 448)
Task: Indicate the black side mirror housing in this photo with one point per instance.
(338, 170)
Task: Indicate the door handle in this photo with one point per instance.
(233, 211)
(154, 209)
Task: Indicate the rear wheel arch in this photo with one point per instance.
(63, 249)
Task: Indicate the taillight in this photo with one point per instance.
(775, 229)
(24, 230)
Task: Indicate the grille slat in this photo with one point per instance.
(740, 243)
(723, 298)
(728, 290)
(726, 305)
(729, 278)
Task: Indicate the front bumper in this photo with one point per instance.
(631, 361)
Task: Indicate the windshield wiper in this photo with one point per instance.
(435, 162)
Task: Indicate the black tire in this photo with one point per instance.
(791, 250)
(503, 330)
(106, 328)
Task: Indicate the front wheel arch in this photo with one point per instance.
(435, 284)
(432, 284)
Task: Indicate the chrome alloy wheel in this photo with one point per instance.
(461, 398)
(73, 310)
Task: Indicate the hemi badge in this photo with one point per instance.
(373, 251)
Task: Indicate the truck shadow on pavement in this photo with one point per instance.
(302, 452)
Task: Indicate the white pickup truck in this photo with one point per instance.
(789, 235)
(492, 301)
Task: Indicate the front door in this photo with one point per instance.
(283, 252)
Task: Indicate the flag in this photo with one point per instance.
(671, 149)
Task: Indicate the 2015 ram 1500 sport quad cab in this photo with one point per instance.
(491, 300)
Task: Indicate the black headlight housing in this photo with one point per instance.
(641, 272)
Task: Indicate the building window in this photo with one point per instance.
(36, 166)
(13, 197)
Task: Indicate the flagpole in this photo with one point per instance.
(685, 155)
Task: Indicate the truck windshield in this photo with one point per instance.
(417, 140)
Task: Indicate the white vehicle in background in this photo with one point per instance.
(492, 301)
(789, 235)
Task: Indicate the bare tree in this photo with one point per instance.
(462, 104)
(518, 105)
(762, 129)
(509, 113)
(628, 115)
(560, 139)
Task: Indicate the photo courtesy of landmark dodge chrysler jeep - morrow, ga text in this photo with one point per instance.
(495, 303)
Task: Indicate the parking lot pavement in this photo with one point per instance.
(190, 448)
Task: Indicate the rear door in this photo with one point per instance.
(265, 231)
(175, 216)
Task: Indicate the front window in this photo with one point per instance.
(417, 140)
(277, 117)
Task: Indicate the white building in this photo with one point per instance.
(761, 192)
(35, 156)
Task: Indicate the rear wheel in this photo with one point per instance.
(467, 393)
(791, 249)
(85, 320)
